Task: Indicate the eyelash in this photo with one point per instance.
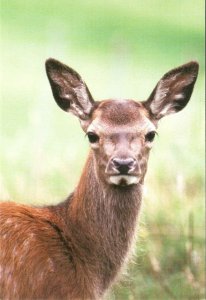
(93, 137)
(149, 137)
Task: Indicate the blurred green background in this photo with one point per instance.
(121, 49)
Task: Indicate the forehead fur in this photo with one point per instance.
(119, 112)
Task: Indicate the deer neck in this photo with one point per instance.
(104, 219)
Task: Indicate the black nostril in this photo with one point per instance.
(123, 165)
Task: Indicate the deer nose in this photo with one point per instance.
(124, 165)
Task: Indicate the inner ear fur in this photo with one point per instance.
(69, 90)
(173, 91)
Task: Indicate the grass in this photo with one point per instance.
(121, 49)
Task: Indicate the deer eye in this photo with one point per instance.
(93, 137)
(149, 137)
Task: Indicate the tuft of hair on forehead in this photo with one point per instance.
(119, 112)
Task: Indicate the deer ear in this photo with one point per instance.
(69, 90)
(173, 91)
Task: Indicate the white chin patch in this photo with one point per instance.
(123, 180)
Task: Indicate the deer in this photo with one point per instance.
(78, 248)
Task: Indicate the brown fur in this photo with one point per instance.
(76, 249)
(120, 112)
(49, 256)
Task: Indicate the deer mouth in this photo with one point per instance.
(123, 180)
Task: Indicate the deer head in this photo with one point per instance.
(121, 132)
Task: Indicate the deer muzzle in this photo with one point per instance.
(123, 171)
